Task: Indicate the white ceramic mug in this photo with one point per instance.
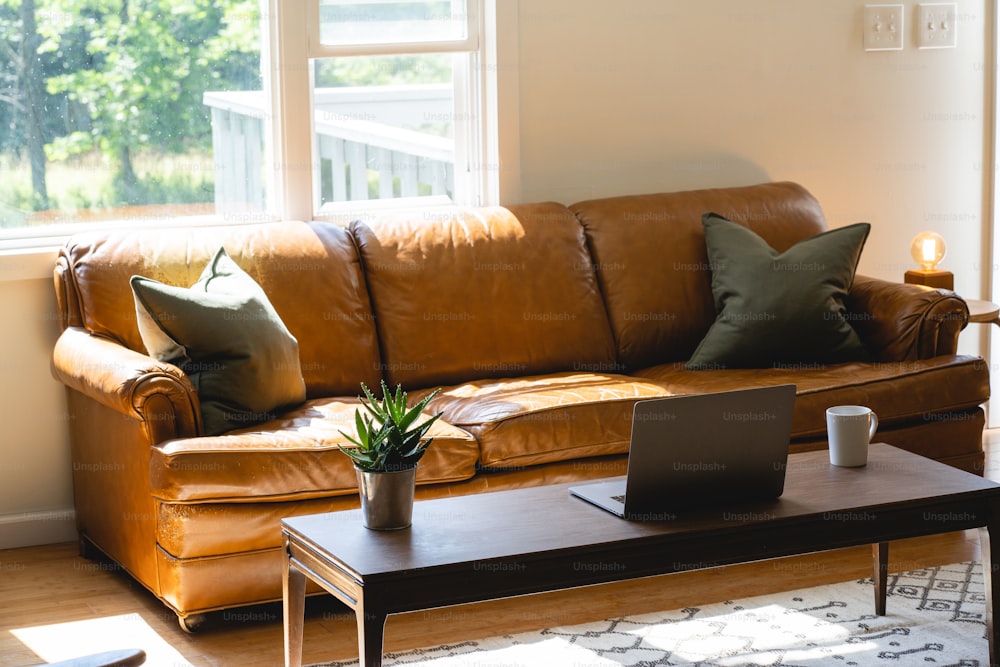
(850, 428)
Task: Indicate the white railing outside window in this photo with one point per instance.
(359, 157)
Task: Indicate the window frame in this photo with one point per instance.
(287, 57)
(318, 49)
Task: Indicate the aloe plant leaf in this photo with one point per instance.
(359, 459)
(351, 439)
(419, 449)
(392, 402)
(409, 417)
(418, 433)
(377, 436)
(427, 399)
(361, 427)
(372, 404)
(386, 437)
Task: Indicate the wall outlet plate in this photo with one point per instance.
(883, 28)
(936, 25)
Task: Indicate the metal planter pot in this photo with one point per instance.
(387, 498)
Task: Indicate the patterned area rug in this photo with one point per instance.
(934, 617)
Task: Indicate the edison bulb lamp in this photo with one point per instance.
(927, 250)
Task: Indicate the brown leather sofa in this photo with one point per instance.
(543, 324)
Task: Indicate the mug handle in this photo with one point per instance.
(873, 427)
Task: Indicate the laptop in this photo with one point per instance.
(701, 450)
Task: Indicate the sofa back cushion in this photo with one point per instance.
(652, 264)
(471, 293)
(309, 271)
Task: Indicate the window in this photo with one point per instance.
(394, 92)
(101, 110)
(144, 111)
(384, 127)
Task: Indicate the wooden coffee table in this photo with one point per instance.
(494, 545)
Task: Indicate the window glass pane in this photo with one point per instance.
(385, 126)
(107, 109)
(352, 22)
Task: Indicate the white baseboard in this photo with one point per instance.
(31, 529)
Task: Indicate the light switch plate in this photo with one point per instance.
(936, 25)
(883, 28)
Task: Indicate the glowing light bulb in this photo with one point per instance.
(928, 249)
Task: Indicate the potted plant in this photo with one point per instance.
(388, 445)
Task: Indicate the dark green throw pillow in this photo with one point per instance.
(779, 308)
(225, 334)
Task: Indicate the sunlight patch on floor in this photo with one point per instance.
(62, 641)
(753, 636)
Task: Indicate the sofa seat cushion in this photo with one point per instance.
(204, 530)
(544, 418)
(292, 457)
(899, 392)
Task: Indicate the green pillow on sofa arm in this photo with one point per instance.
(779, 308)
(225, 334)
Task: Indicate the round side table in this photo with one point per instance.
(983, 311)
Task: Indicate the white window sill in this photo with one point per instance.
(27, 263)
(29, 253)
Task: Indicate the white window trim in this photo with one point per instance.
(501, 131)
(317, 49)
(294, 177)
(291, 178)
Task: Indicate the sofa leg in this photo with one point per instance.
(192, 623)
(87, 550)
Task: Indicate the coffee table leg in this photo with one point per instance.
(880, 558)
(988, 546)
(371, 630)
(294, 604)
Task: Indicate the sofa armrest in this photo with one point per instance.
(134, 384)
(903, 322)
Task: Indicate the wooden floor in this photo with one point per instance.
(54, 604)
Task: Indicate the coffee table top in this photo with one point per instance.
(515, 524)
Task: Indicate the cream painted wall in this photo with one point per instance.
(36, 492)
(600, 98)
(658, 95)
